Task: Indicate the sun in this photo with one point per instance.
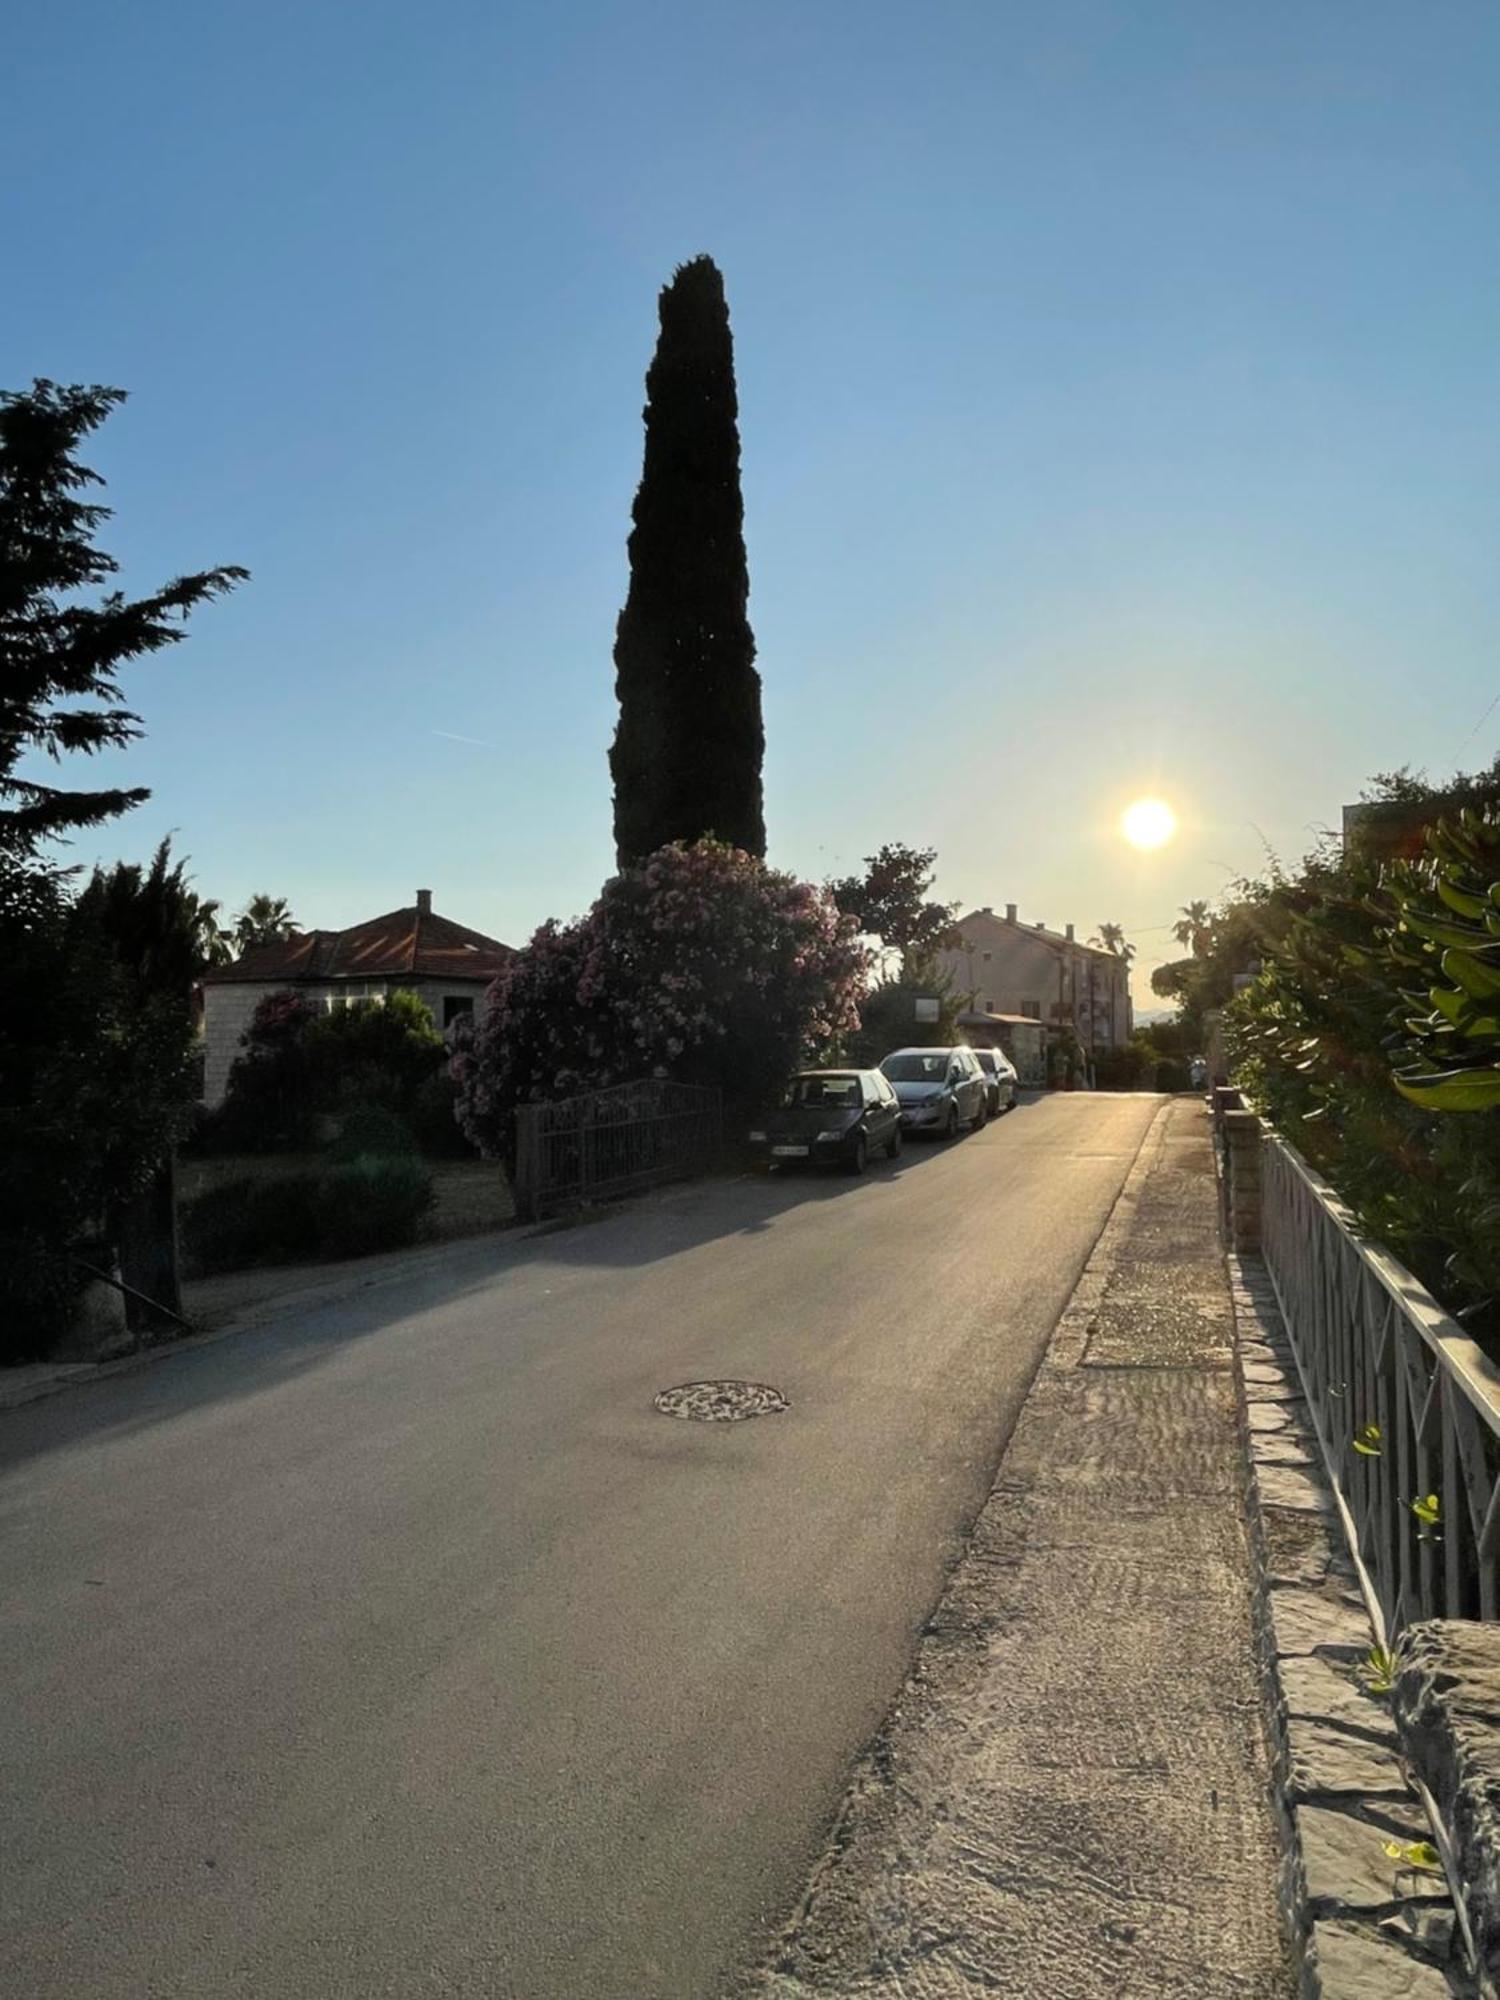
(1148, 823)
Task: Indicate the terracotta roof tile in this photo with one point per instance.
(414, 942)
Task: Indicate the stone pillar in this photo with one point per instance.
(1242, 1178)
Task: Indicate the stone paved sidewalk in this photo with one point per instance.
(1072, 1797)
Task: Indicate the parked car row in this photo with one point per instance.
(841, 1117)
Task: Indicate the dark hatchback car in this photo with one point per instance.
(836, 1116)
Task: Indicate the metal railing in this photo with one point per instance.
(613, 1142)
(1406, 1406)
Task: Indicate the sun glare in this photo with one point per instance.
(1149, 823)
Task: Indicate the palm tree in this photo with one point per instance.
(212, 945)
(1111, 937)
(264, 920)
(1195, 929)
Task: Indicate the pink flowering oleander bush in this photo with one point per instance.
(701, 964)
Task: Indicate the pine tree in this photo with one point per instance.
(55, 651)
(686, 758)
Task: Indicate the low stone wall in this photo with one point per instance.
(1363, 1921)
(1447, 1706)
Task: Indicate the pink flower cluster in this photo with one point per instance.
(701, 964)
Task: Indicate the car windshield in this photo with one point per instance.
(808, 1092)
(917, 1066)
(986, 1059)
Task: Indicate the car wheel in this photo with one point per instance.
(893, 1150)
(950, 1129)
(982, 1115)
(856, 1160)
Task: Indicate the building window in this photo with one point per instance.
(455, 1006)
(990, 1007)
(986, 956)
(1032, 1009)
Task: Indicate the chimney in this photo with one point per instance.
(1010, 913)
(424, 902)
(1069, 929)
(985, 910)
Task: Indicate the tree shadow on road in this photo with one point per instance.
(280, 1342)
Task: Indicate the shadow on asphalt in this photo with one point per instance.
(259, 1359)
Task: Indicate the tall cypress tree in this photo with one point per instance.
(687, 754)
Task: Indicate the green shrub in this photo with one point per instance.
(302, 1065)
(347, 1209)
(370, 1204)
(434, 1120)
(1130, 1068)
(1172, 1073)
(370, 1131)
(248, 1221)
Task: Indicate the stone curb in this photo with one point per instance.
(1364, 1927)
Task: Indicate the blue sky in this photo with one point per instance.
(1118, 405)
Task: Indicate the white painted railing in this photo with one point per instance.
(1386, 1369)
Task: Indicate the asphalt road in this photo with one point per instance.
(401, 1648)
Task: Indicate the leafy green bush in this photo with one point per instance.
(369, 1131)
(1130, 1068)
(246, 1222)
(370, 1204)
(347, 1209)
(1362, 1031)
(1172, 1074)
(303, 1066)
(434, 1120)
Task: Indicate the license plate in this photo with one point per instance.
(790, 1152)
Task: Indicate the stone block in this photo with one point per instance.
(1309, 1621)
(1447, 1708)
(1354, 1962)
(1323, 1759)
(1329, 1691)
(1300, 1547)
(1291, 1486)
(1276, 1448)
(1345, 1866)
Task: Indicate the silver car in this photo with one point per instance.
(1000, 1079)
(939, 1090)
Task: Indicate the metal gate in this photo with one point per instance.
(614, 1142)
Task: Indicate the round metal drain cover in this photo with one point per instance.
(720, 1402)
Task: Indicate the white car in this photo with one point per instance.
(1000, 1078)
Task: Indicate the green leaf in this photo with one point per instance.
(1429, 1511)
(1451, 1089)
(1379, 1670)
(1478, 978)
(1457, 899)
(1418, 1854)
(1464, 1013)
(1438, 931)
(1367, 1441)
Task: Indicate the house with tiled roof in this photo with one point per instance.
(413, 950)
(1014, 970)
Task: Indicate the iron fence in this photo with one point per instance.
(614, 1142)
(1406, 1406)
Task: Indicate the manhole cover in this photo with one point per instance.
(720, 1402)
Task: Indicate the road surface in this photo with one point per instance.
(401, 1647)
